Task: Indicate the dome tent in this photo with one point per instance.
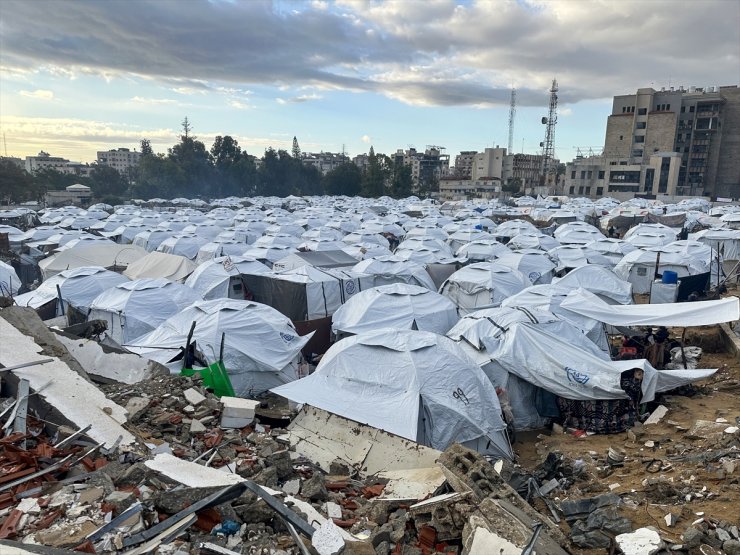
(397, 306)
(483, 285)
(415, 384)
(385, 270)
(135, 308)
(220, 278)
(638, 267)
(261, 346)
(10, 283)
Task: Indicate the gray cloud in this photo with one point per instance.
(440, 53)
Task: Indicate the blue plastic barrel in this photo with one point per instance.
(670, 277)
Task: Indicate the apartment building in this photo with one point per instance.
(121, 159)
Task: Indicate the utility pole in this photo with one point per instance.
(548, 147)
(512, 113)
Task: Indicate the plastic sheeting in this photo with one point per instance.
(397, 306)
(135, 308)
(638, 267)
(547, 361)
(483, 285)
(534, 264)
(385, 270)
(261, 348)
(220, 278)
(106, 255)
(415, 384)
(10, 283)
(699, 313)
(160, 265)
(596, 279)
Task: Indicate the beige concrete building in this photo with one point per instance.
(464, 164)
(77, 194)
(121, 159)
(701, 125)
(453, 188)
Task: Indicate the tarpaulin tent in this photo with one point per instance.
(317, 259)
(183, 245)
(596, 279)
(10, 283)
(385, 270)
(221, 278)
(134, 308)
(699, 313)
(160, 265)
(261, 348)
(481, 250)
(415, 384)
(534, 264)
(397, 306)
(533, 240)
(107, 255)
(726, 241)
(638, 267)
(483, 285)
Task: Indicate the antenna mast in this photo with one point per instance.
(512, 113)
(548, 147)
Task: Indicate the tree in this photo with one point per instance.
(196, 175)
(105, 180)
(15, 184)
(402, 182)
(296, 151)
(345, 179)
(373, 180)
(513, 185)
(146, 148)
(49, 179)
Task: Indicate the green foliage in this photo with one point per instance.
(512, 186)
(402, 183)
(375, 176)
(345, 179)
(105, 180)
(15, 184)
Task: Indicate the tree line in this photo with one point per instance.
(189, 169)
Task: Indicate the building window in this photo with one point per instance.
(580, 190)
(642, 111)
(624, 109)
(601, 174)
(572, 189)
(641, 125)
(691, 109)
(599, 191)
(590, 174)
(639, 138)
(583, 174)
(588, 190)
(573, 174)
(683, 109)
(667, 107)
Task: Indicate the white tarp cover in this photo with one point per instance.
(533, 263)
(261, 347)
(212, 279)
(385, 270)
(483, 285)
(106, 255)
(726, 241)
(638, 267)
(596, 279)
(397, 306)
(137, 307)
(78, 287)
(699, 313)
(10, 283)
(547, 361)
(160, 265)
(415, 384)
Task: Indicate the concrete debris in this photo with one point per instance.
(656, 416)
(643, 541)
(327, 539)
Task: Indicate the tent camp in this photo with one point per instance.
(108, 255)
(638, 267)
(533, 240)
(134, 308)
(78, 288)
(221, 278)
(483, 285)
(725, 241)
(397, 306)
(10, 283)
(317, 259)
(415, 384)
(160, 265)
(534, 264)
(481, 250)
(385, 270)
(598, 280)
(183, 245)
(261, 346)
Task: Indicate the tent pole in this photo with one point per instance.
(683, 355)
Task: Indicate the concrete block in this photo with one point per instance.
(236, 407)
(193, 396)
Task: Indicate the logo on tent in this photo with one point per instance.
(576, 376)
(287, 337)
(349, 287)
(534, 276)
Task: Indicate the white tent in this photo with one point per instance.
(415, 384)
(577, 233)
(218, 249)
(512, 228)
(270, 254)
(10, 283)
(596, 279)
(533, 240)
(134, 308)
(493, 324)
(464, 236)
(613, 249)
(363, 251)
(638, 267)
(397, 306)
(699, 313)
(650, 235)
(160, 265)
(78, 288)
(726, 241)
(483, 285)
(220, 278)
(385, 270)
(261, 347)
(481, 250)
(534, 264)
(151, 238)
(576, 255)
(182, 245)
(107, 255)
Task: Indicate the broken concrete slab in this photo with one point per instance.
(656, 416)
(75, 399)
(237, 412)
(485, 541)
(411, 484)
(193, 396)
(327, 539)
(643, 541)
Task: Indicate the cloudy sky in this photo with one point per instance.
(76, 77)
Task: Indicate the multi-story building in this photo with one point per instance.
(427, 167)
(121, 159)
(489, 163)
(528, 169)
(701, 125)
(464, 164)
(324, 161)
(361, 161)
(44, 161)
(17, 161)
(454, 188)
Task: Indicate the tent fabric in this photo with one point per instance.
(135, 308)
(10, 283)
(483, 285)
(699, 313)
(596, 279)
(726, 241)
(385, 270)
(534, 264)
(78, 288)
(415, 384)
(317, 259)
(160, 265)
(397, 306)
(638, 267)
(261, 347)
(106, 255)
(220, 278)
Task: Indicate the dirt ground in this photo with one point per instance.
(713, 487)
